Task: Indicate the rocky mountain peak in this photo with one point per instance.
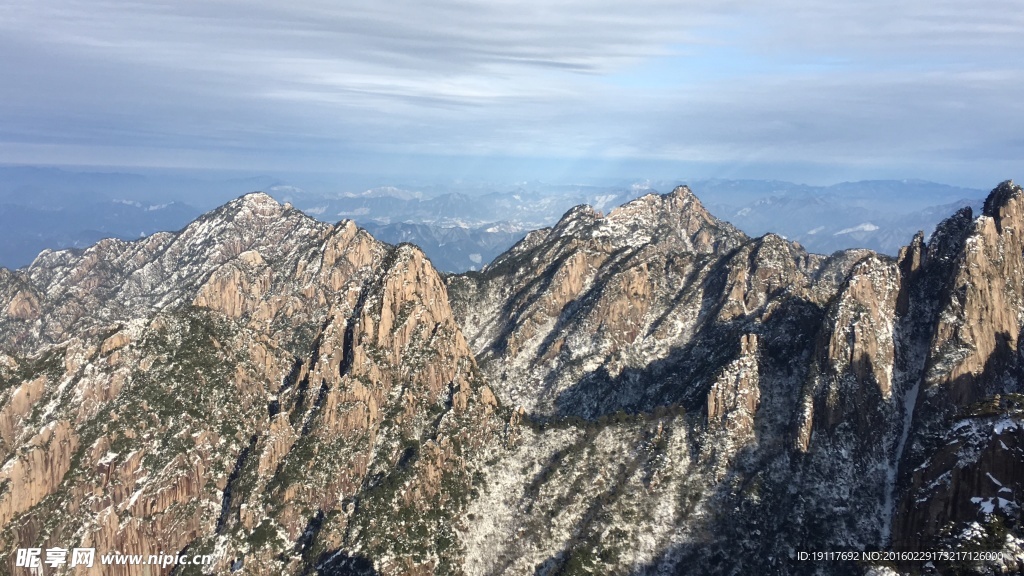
(575, 221)
(675, 203)
(256, 199)
(1005, 205)
(254, 207)
(676, 217)
(682, 198)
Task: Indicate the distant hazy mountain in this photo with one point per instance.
(463, 229)
(879, 215)
(452, 248)
(461, 226)
(895, 195)
(51, 208)
(527, 206)
(25, 231)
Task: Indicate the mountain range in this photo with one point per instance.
(649, 390)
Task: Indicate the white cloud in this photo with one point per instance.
(857, 83)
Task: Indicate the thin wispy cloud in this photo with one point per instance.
(308, 84)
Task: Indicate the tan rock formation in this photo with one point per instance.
(16, 408)
(734, 397)
(115, 342)
(236, 288)
(37, 470)
(982, 318)
(24, 306)
(863, 341)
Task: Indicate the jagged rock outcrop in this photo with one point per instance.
(735, 396)
(36, 471)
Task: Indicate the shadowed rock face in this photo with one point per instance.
(820, 392)
(965, 437)
(647, 391)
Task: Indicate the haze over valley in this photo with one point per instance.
(460, 226)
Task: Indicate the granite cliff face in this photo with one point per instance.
(647, 391)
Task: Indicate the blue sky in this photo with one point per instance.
(809, 92)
